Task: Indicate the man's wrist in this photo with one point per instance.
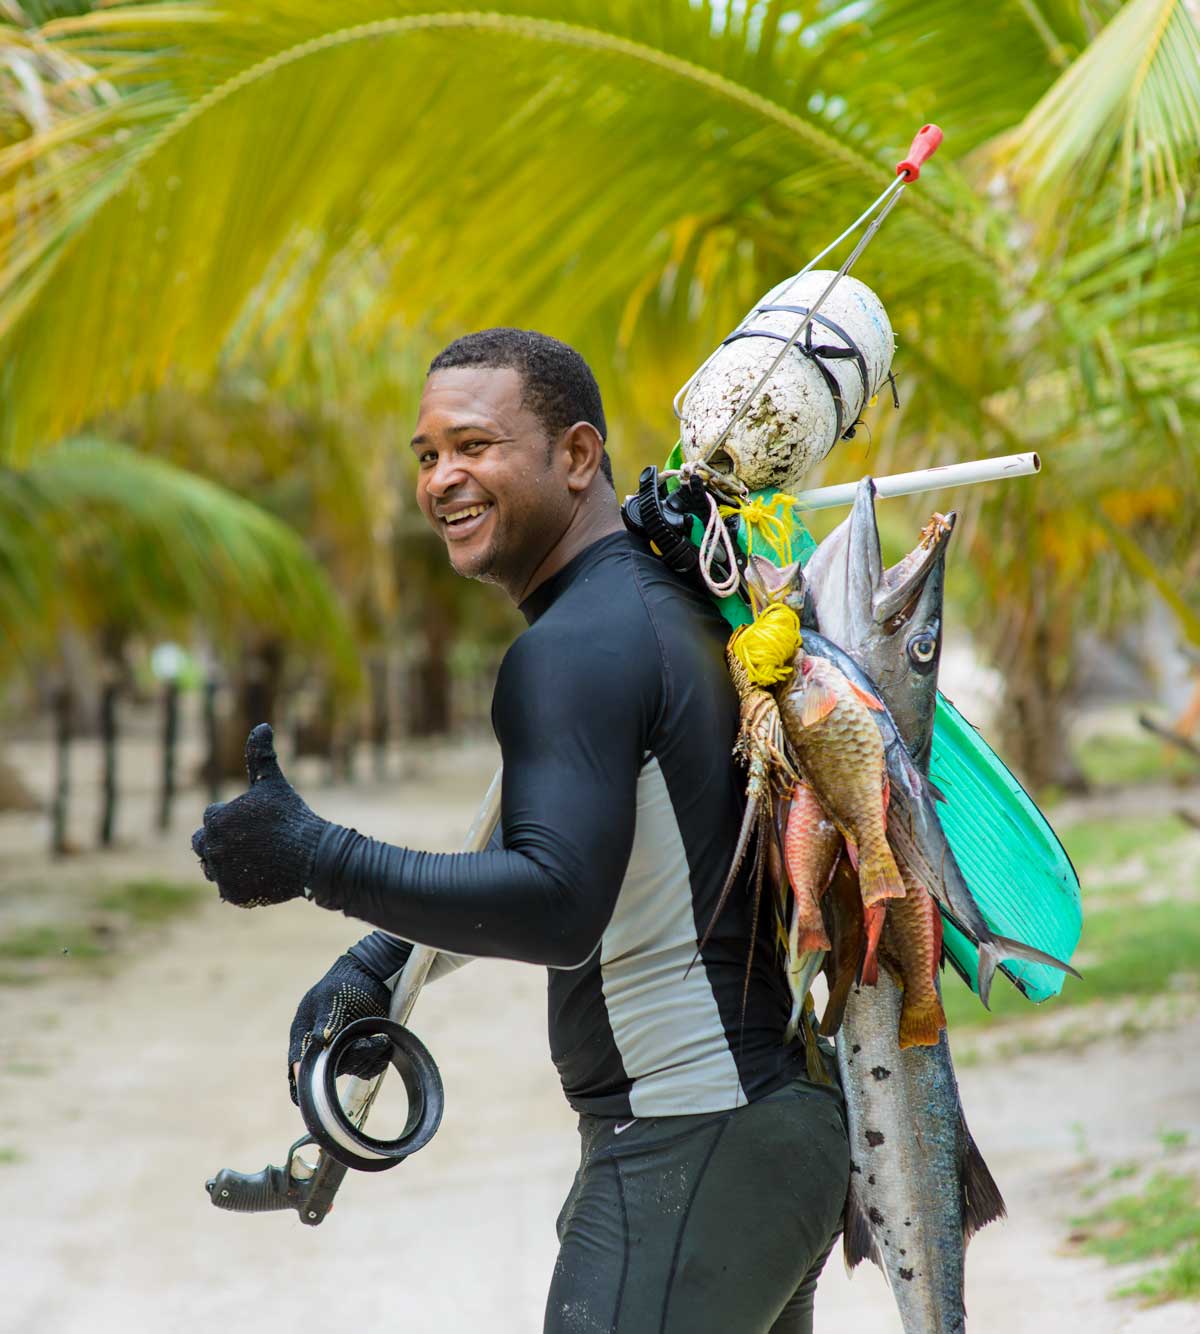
(326, 878)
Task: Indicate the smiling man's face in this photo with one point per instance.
(489, 480)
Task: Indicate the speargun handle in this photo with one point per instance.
(922, 148)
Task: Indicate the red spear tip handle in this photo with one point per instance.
(922, 148)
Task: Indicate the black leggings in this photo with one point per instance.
(711, 1224)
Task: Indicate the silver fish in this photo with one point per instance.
(888, 620)
(919, 1188)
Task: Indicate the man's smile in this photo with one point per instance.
(459, 521)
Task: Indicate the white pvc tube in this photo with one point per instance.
(926, 479)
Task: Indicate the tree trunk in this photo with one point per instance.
(256, 688)
(1034, 717)
(429, 679)
(14, 794)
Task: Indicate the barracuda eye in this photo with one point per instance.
(922, 649)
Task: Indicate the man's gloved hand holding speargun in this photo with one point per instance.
(259, 849)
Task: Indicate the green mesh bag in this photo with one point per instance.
(1013, 863)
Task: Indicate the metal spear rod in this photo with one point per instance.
(923, 146)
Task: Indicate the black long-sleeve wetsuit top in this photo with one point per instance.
(621, 806)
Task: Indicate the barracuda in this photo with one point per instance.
(919, 1188)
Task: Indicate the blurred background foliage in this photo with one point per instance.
(231, 237)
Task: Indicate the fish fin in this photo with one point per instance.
(887, 793)
(936, 929)
(992, 951)
(814, 1061)
(865, 695)
(982, 1202)
(921, 1021)
(819, 703)
(858, 1241)
(843, 913)
(852, 853)
(873, 918)
(934, 791)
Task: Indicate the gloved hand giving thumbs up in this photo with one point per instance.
(259, 848)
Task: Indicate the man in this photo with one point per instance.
(713, 1172)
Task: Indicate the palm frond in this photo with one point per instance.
(95, 533)
(1129, 105)
(527, 164)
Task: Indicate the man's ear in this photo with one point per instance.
(584, 449)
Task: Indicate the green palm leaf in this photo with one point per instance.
(1131, 104)
(95, 533)
(527, 165)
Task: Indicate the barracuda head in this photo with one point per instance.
(888, 620)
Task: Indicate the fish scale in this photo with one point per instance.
(838, 746)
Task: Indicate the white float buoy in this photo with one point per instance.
(814, 396)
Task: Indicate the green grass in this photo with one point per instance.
(1133, 951)
(43, 942)
(1160, 1220)
(106, 921)
(1163, 1215)
(151, 902)
(1128, 948)
(9, 1155)
(1178, 1280)
(1097, 845)
(1121, 759)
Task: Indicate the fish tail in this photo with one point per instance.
(815, 938)
(858, 1240)
(982, 1202)
(922, 1019)
(878, 876)
(998, 948)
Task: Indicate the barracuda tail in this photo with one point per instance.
(982, 1202)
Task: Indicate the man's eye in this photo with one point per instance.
(426, 457)
(476, 444)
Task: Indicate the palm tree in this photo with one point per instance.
(631, 180)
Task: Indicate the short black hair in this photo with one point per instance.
(558, 386)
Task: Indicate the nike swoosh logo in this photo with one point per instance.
(617, 1130)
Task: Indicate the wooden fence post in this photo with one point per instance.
(62, 770)
(108, 741)
(212, 736)
(170, 739)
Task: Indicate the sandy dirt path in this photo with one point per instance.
(120, 1095)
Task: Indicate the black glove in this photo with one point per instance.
(347, 992)
(259, 848)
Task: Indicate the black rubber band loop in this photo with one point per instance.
(328, 1124)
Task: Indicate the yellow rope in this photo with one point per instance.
(767, 646)
(765, 518)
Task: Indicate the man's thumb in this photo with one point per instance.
(261, 760)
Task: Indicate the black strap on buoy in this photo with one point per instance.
(817, 355)
(327, 1122)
